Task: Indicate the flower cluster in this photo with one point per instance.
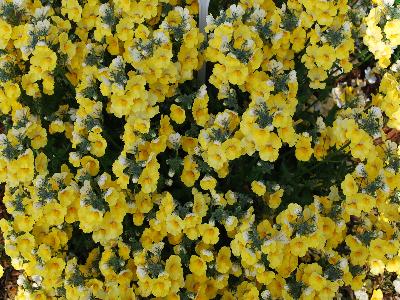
(124, 178)
(382, 30)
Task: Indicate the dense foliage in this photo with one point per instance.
(278, 178)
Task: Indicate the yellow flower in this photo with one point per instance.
(188, 57)
(298, 38)
(25, 243)
(120, 105)
(149, 177)
(160, 286)
(53, 270)
(237, 74)
(72, 8)
(148, 8)
(223, 260)
(392, 32)
(258, 188)
(275, 199)
(299, 246)
(5, 33)
(173, 266)
(247, 290)
(177, 114)
(317, 281)
(56, 127)
(303, 148)
(349, 185)
(376, 266)
(23, 223)
(90, 164)
(197, 265)
(364, 202)
(44, 58)
(268, 146)
(232, 148)
(20, 35)
(208, 183)
(209, 233)
(22, 169)
(358, 255)
(249, 258)
(41, 162)
(393, 265)
(200, 110)
(97, 144)
(324, 56)
(216, 156)
(124, 29)
(189, 173)
(54, 213)
(174, 224)
(377, 295)
(38, 136)
(29, 84)
(66, 45)
(113, 45)
(317, 75)
(329, 290)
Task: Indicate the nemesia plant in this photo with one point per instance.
(128, 176)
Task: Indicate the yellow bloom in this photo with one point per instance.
(20, 35)
(393, 265)
(160, 286)
(38, 136)
(298, 38)
(216, 156)
(232, 148)
(149, 177)
(258, 188)
(392, 32)
(223, 261)
(275, 199)
(197, 265)
(303, 148)
(72, 8)
(317, 281)
(44, 58)
(268, 146)
(208, 183)
(209, 233)
(23, 223)
(349, 185)
(5, 33)
(66, 46)
(249, 258)
(90, 164)
(22, 169)
(237, 74)
(377, 295)
(97, 144)
(299, 246)
(177, 114)
(189, 173)
(54, 213)
(120, 105)
(200, 110)
(173, 267)
(41, 162)
(324, 56)
(317, 75)
(174, 224)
